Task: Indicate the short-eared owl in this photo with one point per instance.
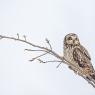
(78, 56)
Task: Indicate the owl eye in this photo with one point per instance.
(70, 38)
(76, 38)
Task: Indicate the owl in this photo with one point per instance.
(78, 56)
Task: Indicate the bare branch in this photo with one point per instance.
(37, 46)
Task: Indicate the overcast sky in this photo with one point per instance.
(40, 19)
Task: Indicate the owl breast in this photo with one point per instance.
(68, 54)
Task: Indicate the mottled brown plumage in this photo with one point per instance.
(78, 56)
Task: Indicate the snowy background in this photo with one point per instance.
(40, 19)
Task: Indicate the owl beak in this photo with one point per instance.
(73, 41)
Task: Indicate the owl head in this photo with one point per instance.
(71, 39)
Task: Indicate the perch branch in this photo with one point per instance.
(34, 45)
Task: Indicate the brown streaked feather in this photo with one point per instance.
(80, 56)
(85, 52)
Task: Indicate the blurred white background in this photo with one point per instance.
(40, 19)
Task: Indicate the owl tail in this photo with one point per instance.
(91, 79)
(93, 76)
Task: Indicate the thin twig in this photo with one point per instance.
(58, 65)
(48, 42)
(32, 50)
(39, 56)
(24, 37)
(41, 61)
(17, 36)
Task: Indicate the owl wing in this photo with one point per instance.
(81, 56)
(85, 52)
